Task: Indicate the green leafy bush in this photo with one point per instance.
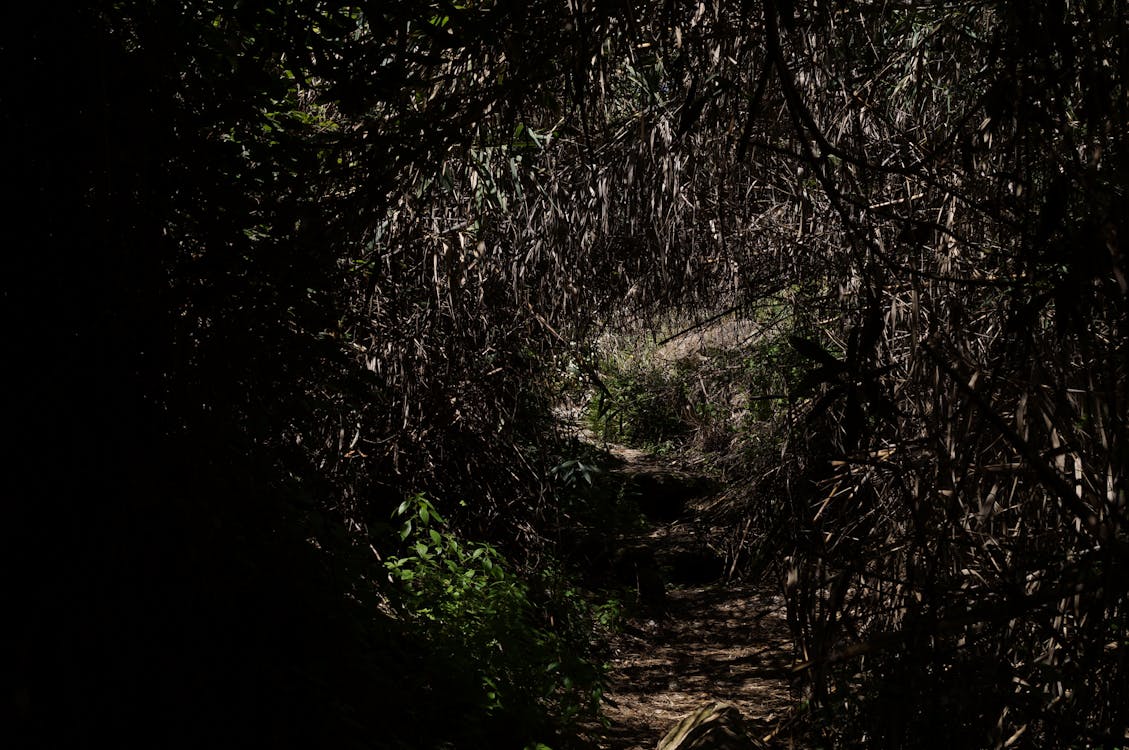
(525, 648)
(645, 404)
(708, 399)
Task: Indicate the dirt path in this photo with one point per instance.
(717, 641)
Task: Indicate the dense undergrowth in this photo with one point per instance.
(720, 389)
(526, 646)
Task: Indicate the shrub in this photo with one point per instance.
(524, 649)
(646, 404)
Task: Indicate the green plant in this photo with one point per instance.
(644, 405)
(526, 646)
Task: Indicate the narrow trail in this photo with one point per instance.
(712, 641)
(727, 644)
